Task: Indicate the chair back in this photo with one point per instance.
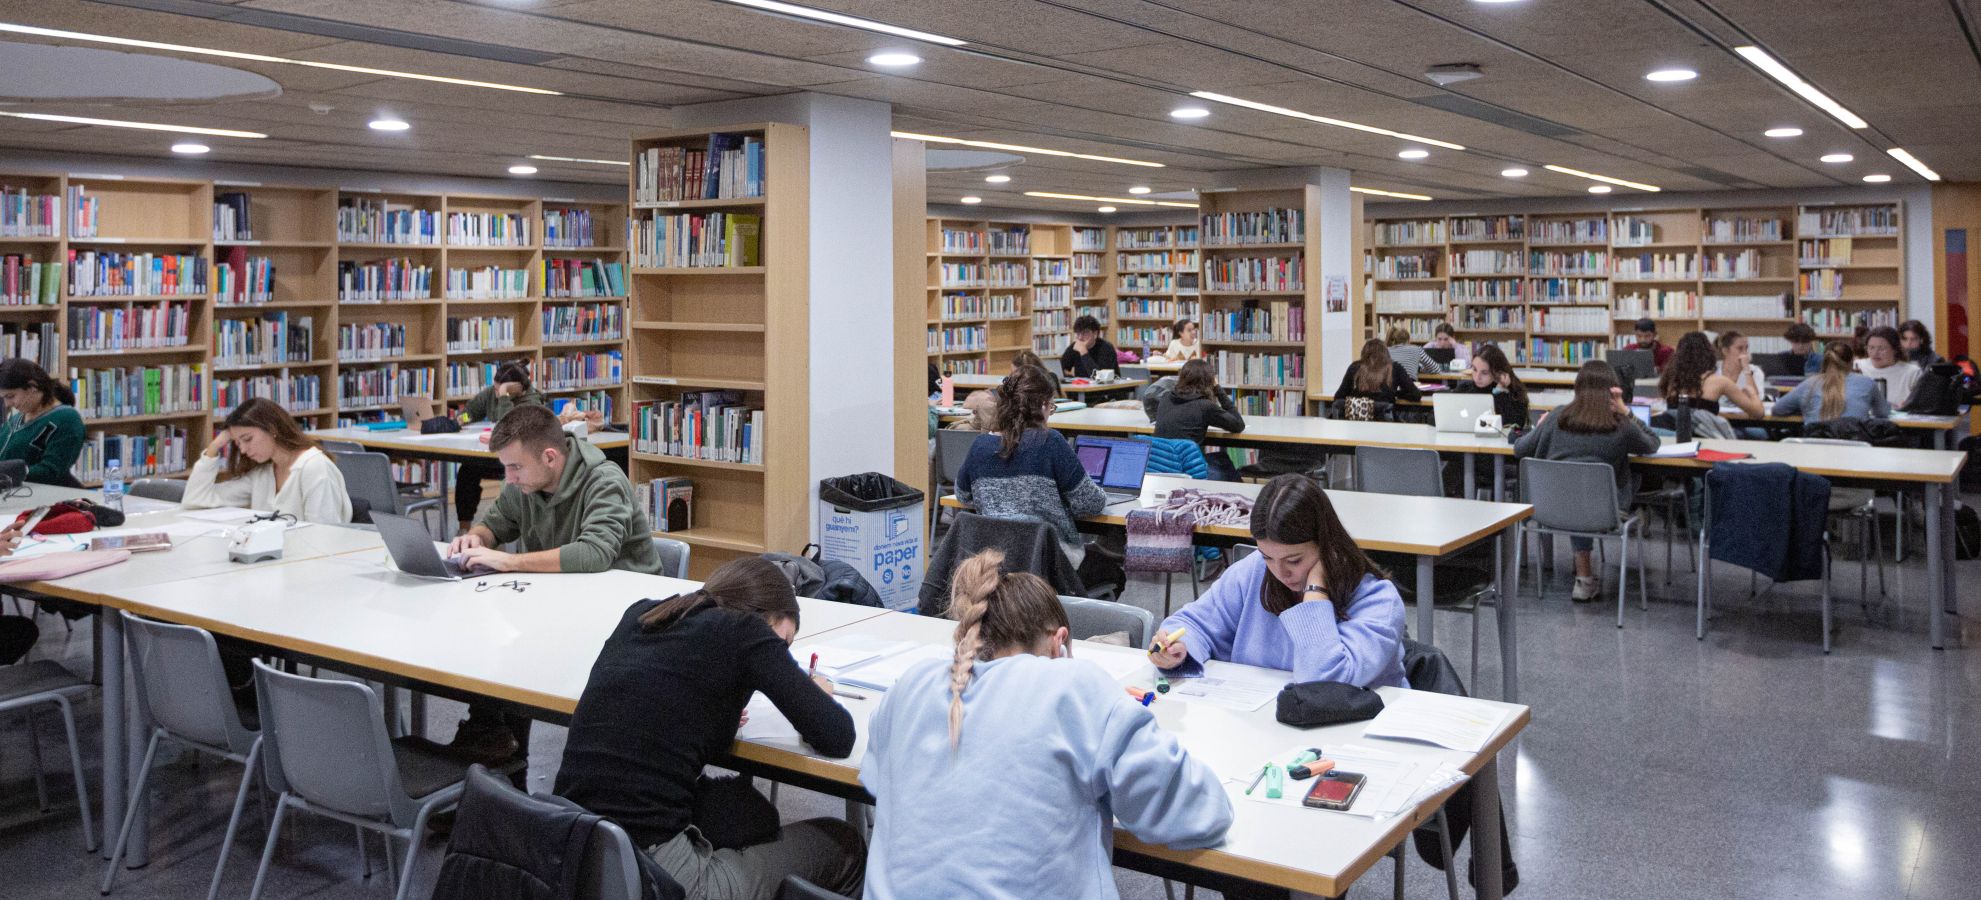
(1088, 617)
(952, 447)
(331, 445)
(171, 490)
(1240, 551)
(180, 683)
(368, 477)
(1395, 470)
(1570, 496)
(1054, 365)
(673, 556)
(612, 868)
(324, 741)
(1134, 373)
(795, 888)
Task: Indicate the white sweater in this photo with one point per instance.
(314, 492)
(1898, 380)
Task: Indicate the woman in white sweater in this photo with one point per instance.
(273, 467)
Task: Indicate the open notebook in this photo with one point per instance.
(872, 663)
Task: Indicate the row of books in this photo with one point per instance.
(1088, 265)
(233, 217)
(505, 229)
(1270, 403)
(160, 450)
(1552, 262)
(1257, 369)
(1487, 262)
(1051, 270)
(1275, 225)
(1569, 231)
(101, 328)
(1014, 240)
(1571, 319)
(1488, 290)
(1834, 322)
(294, 392)
(379, 280)
(382, 385)
(957, 339)
(669, 502)
(1052, 296)
(488, 283)
(590, 400)
(1570, 290)
(962, 241)
(1421, 329)
(962, 275)
(1266, 273)
(1539, 351)
(732, 165)
(1145, 308)
(1052, 321)
(1849, 221)
(1494, 318)
(1089, 239)
(1007, 274)
(37, 341)
(1171, 261)
(1412, 300)
(106, 274)
(24, 282)
(1731, 266)
(1658, 304)
(572, 228)
(1144, 239)
(1822, 284)
(1489, 228)
(1823, 252)
(1418, 232)
(584, 322)
(582, 370)
(1279, 320)
(1659, 266)
(243, 281)
(1157, 283)
(582, 278)
(84, 212)
(712, 425)
(1762, 306)
(358, 342)
(1742, 229)
(1407, 265)
(478, 333)
(697, 240)
(362, 220)
(463, 380)
(138, 390)
(28, 215)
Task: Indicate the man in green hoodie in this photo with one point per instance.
(571, 511)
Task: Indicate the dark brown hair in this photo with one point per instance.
(19, 374)
(1496, 363)
(1397, 335)
(1593, 411)
(994, 612)
(1292, 509)
(749, 584)
(1025, 358)
(1919, 328)
(515, 372)
(1197, 379)
(1691, 361)
(536, 427)
(1086, 323)
(1374, 374)
(1176, 328)
(1799, 333)
(1726, 340)
(1890, 336)
(267, 415)
(1021, 406)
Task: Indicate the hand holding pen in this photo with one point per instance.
(1167, 650)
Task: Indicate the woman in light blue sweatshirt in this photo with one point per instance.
(1836, 392)
(1040, 754)
(1309, 602)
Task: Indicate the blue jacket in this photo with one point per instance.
(1769, 518)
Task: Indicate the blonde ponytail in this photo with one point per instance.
(970, 591)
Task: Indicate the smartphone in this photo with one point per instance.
(1335, 790)
(34, 519)
(136, 543)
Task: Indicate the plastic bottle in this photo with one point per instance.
(113, 486)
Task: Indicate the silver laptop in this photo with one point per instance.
(1459, 412)
(414, 552)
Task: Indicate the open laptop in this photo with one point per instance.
(1459, 413)
(1116, 464)
(1443, 356)
(415, 408)
(414, 552)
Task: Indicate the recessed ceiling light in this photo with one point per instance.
(1600, 189)
(146, 126)
(191, 149)
(1783, 132)
(1515, 172)
(994, 145)
(259, 57)
(894, 59)
(1055, 195)
(997, 179)
(1913, 163)
(1397, 194)
(1413, 154)
(1324, 120)
(387, 123)
(1760, 59)
(602, 162)
(806, 12)
(1671, 75)
(973, 200)
(1837, 157)
(1139, 189)
(1603, 178)
(522, 170)
(1877, 179)
(1189, 112)
(1105, 209)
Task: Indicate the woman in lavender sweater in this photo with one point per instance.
(1309, 602)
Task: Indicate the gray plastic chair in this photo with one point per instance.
(1858, 506)
(325, 750)
(1089, 617)
(1578, 499)
(331, 445)
(1394, 470)
(182, 691)
(952, 447)
(368, 477)
(170, 490)
(1134, 372)
(1240, 551)
(673, 556)
(25, 686)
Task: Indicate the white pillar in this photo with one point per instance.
(1339, 340)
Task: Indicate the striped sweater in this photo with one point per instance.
(1042, 480)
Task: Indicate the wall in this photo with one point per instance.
(1956, 207)
(30, 161)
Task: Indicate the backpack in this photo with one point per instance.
(824, 579)
(1935, 394)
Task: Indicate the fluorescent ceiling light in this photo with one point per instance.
(1600, 189)
(1397, 194)
(191, 149)
(806, 12)
(994, 145)
(1760, 59)
(894, 59)
(1913, 163)
(997, 179)
(147, 126)
(260, 57)
(602, 162)
(1105, 209)
(1603, 178)
(1189, 112)
(1139, 189)
(1837, 157)
(1413, 154)
(1783, 132)
(1515, 172)
(972, 201)
(387, 123)
(1324, 120)
(522, 170)
(1671, 75)
(1877, 179)
(1133, 200)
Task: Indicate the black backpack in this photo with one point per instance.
(1937, 393)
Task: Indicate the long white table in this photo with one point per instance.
(465, 445)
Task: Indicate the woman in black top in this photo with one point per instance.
(1377, 378)
(1089, 352)
(666, 697)
(1194, 406)
(1492, 374)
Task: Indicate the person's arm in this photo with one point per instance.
(58, 454)
(1406, 383)
(1356, 650)
(768, 666)
(1104, 355)
(1718, 386)
(1534, 442)
(1512, 410)
(1081, 495)
(504, 521)
(325, 499)
(479, 405)
(1158, 791)
(1072, 360)
(205, 490)
(1226, 415)
(1638, 439)
(1791, 403)
(1212, 619)
(606, 506)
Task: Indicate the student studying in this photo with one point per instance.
(43, 428)
(1089, 353)
(1837, 391)
(1413, 359)
(1193, 406)
(1372, 385)
(1692, 377)
(269, 465)
(1596, 426)
(1025, 469)
(1882, 362)
(1183, 343)
(510, 389)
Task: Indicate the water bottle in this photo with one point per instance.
(113, 486)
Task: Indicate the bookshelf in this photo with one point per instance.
(1261, 259)
(729, 318)
(275, 335)
(996, 288)
(1554, 289)
(1158, 278)
(959, 288)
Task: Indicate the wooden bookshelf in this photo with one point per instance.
(1157, 280)
(1260, 285)
(737, 328)
(1068, 271)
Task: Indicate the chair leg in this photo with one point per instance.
(34, 758)
(1643, 591)
(76, 770)
(1622, 575)
(391, 869)
(412, 850)
(249, 775)
(268, 849)
(1444, 847)
(1878, 550)
(1826, 598)
(1397, 890)
(364, 851)
(1671, 517)
(130, 811)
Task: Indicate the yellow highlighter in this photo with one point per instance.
(1161, 644)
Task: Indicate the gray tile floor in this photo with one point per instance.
(1747, 764)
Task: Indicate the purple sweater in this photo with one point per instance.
(1229, 622)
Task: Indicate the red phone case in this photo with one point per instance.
(1328, 791)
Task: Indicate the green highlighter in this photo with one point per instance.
(1275, 782)
(1304, 758)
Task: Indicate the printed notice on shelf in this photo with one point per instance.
(1453, 722)
(1243, 688)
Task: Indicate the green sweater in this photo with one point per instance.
(488, 406)
(49, 444)
(590, 518)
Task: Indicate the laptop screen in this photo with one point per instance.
(1092, 458)
(1643, 414)
(1123, 464)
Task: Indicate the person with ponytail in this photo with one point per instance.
(1837, 391)
(44, 429)
(666, 697)
(1024, 469)
(1040, 753)
(1310, 602)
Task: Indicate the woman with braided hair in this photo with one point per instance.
(1041, 753)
